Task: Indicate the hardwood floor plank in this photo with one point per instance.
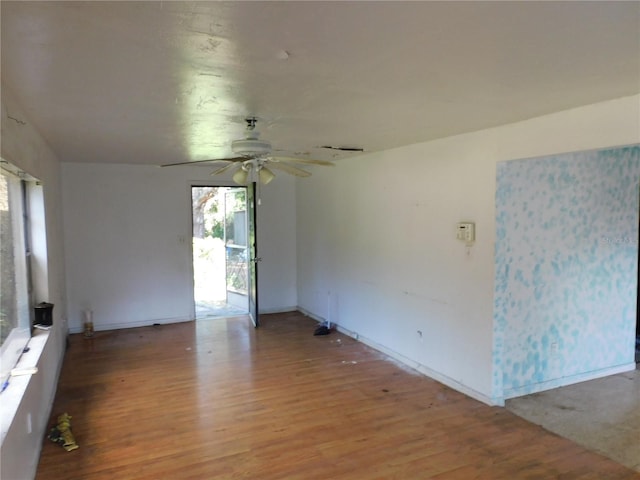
(217, 399)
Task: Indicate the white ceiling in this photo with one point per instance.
(160, 82)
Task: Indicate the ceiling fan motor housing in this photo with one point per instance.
(251, 147)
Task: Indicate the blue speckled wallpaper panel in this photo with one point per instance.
(566, 267)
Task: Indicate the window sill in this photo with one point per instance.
(12, 396)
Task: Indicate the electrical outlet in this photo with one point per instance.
(29, 424)
(554, 348)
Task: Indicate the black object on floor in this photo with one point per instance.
(322, 330)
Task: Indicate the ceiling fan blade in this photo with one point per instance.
(307, 161)
(223, 169)
(285, 167)
(209, 160)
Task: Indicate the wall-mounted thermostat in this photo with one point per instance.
(466, 232)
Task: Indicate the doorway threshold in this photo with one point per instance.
(219, 309)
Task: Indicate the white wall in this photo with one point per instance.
(378, 233)
(23, 146)
(127, 234)
(276, 233)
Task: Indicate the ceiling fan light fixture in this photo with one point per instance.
(241, 176)
(265, 175)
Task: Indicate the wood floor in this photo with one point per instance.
(217, 399)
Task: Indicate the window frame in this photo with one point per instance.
(14, 344)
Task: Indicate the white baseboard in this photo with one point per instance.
(163, 321)
(418, 367)
(141, 323)
(569, 380)
(267, 311)
(309, 314)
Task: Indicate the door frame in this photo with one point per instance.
(252, 239)
(253, 257)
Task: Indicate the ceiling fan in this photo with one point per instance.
(252, 157)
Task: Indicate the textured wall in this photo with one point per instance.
(566, 267)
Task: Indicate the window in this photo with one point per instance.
(15, 301)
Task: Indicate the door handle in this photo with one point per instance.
(257, 259)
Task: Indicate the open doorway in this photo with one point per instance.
(220, 251)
